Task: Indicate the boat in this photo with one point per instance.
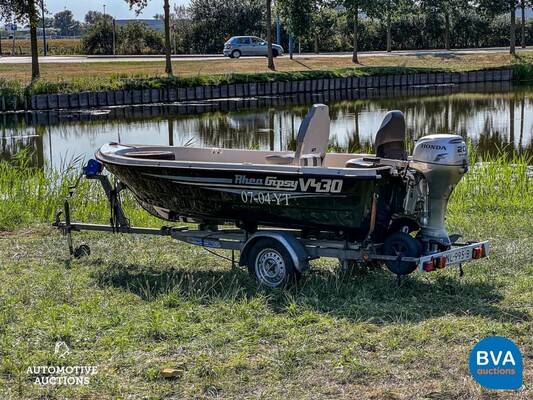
(386, 206)
(308, 189)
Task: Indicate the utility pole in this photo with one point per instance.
(44, 30)
(13, 30)
(278, 31)
(114, 54)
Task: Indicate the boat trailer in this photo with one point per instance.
(275, 257)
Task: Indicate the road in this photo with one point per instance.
(96, 59)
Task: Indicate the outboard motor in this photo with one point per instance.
(442, 160)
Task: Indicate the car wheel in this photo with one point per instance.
(235, 54)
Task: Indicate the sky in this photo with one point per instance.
(119, 9)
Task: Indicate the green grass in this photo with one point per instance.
(139, 304)
(104, 76)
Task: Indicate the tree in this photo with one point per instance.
(133, 37)
(181, 25)
(354, 7)
(447, 8)
(67, 25)
(269, 34)
(99, 38)
(140, 4)
(215, 21)
(92, 17)
(297, 16)
(25, 11)
(496, 7)
(523, 5)
(389, 10)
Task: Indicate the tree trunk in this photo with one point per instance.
(355, 60)
(168, 64)
(512, 48)
(316, 42)
(33, 41)
(389, 36)
(447, 32)
(523, 38)
(269, 34)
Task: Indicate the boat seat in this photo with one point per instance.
(390, 138)
(311, 160)
(312, 140)
(314, 160)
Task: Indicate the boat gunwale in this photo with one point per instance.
(110, 156)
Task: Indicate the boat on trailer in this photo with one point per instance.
(291, 207)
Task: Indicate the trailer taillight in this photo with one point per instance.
(478, 252)
(434, 264)
(440, 262)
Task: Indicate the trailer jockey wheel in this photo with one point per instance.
(82, 251)
(403, 245)
(271, 264)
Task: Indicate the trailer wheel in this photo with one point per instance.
(406, 245)
(271, 264)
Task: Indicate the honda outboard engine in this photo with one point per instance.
(441, 161)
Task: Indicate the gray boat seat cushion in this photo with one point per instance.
(311, 160)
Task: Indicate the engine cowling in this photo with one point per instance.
(443, 161)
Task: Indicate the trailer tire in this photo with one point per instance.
(406, 245)
(271, 264)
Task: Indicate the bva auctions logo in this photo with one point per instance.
(496, 363)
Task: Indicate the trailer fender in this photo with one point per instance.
(294, 247)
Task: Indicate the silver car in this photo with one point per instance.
(249, 46)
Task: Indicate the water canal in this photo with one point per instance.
(493, 117)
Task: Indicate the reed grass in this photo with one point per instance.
(33, 195)
(501, 183)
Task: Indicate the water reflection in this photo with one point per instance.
(494, 118)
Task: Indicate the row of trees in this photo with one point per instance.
(133, 38)
(306, 16)
(28, 11)
(360, 24)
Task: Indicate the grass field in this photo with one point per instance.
(111, 74)
(55, 47)
(137, 305)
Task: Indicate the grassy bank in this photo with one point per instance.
(139, 304)
(79, 77)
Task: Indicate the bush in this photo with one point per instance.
(99, 39)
